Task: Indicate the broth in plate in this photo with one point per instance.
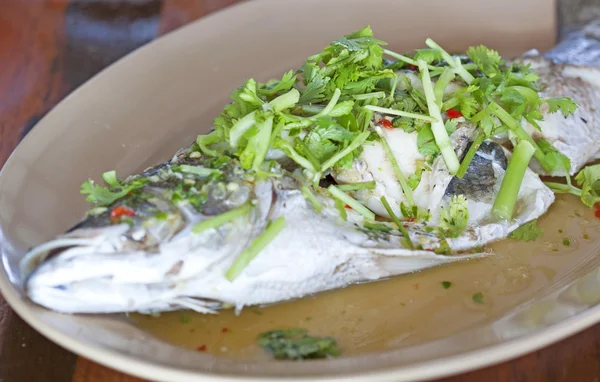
(404, 310)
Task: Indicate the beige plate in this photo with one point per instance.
(141, 110)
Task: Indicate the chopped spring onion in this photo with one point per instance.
(397, 171)
(464, 165)
(357, 186)
(258, 244)
(219, 220)
(401, 113)
(397, 221)
(437, 128)
(506, 199)
(353, 203)
(196, 170)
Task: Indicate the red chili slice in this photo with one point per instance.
(413, 67)
(597, 210)
(387, 124)
(119, 211)
(201, 348)
(452, 113)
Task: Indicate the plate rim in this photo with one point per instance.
(136, 366)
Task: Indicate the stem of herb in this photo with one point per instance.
(360, 97)
(397, 171)
(438, 129)
(516, 128)
(397, 221)
(357, 186)
(351, 147)
(441, 84)
(464, 166)
(353, 203)
(454, 63)
(384, 110)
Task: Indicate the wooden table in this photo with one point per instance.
(47, 49)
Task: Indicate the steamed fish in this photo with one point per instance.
(351, 169)
(576, 136)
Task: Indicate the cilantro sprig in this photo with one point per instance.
(588, 180)
(105, 196)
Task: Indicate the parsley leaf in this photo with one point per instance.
(527, 232)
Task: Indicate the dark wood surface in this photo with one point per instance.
(47, 49)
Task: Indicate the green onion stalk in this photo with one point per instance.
(506, 199)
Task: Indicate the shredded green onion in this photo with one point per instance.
(506, 199)
(258, 244)
(353, 203)
(219, 220)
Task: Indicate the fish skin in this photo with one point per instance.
(577, 136)
(315, 252)
(479, 179)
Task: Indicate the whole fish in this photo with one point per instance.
(256, 212)
(155, 262)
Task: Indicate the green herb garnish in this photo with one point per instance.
(296, 344)
(477, 298)
(527, 232)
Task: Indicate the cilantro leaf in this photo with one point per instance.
(426, 142)
(566, 105)
(527, 232)
(104, 196)
(296, 344)
(553, 158)
(488, 60)
(272, 88)
(453, 220)
(589, 180)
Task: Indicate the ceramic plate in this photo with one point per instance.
(139, 111)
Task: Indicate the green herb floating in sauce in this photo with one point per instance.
(296, 344)
(446, 284)
(527, 232)
(478, 298)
